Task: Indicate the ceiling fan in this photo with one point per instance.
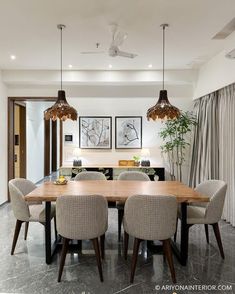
(118, 38)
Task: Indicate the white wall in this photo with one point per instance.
(217, 72)
(117, 107)
(35, 140)
(3, 142)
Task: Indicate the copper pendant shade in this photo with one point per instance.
(61, 109)
(163, 109)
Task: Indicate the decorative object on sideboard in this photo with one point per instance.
(145, 155)
(95, 132)
(61, 109)
(124, 162)
(137, 160)
(77, 153)
(128, 132)
(163, 109)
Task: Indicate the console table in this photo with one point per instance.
(112, 172)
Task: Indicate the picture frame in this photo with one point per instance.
(95, 132)
(128, 132)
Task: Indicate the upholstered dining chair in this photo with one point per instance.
(24, 212)
(82, 218)
(90, 176)
(127, 176)
(149, 217)
(208, 213)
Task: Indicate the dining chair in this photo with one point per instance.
(208, 213)
(127, 176)
(149, 217)
(82, 217)
(89, 176)
(24, 212)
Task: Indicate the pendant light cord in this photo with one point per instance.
(61, 51)
(163, 57)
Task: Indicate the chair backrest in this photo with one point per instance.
(150, 217)
(25, 186)
(133, 176)
(81, 217)
(19, 206)
(89, 176)
(216, 190)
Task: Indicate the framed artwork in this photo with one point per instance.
(95, 132)
(128, 132)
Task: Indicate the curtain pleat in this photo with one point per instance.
(227, 148)
(213, 144)
(205, 146)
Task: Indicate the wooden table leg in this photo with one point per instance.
(184, 234)
(48, 232)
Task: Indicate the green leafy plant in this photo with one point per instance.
(175, 141)
(136, 158)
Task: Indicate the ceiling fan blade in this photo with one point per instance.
(126, 54)
(119, 39)
(92, 52)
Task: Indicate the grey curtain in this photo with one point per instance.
(205, 145)
(213, 144)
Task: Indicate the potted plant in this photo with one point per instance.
(175, 141)
(137, 160)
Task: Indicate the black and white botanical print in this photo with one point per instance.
(128, 132)
(95, 132)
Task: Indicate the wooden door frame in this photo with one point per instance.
(11, 111)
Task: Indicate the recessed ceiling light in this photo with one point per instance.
(110, 66)
(150, 65)
(13, 57)
(70, 66)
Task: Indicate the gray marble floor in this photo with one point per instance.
(26, 271)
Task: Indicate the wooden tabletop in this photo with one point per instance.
(116, 190)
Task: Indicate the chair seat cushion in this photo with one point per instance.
(38, 213)
(195, 215)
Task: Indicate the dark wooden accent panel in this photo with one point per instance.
(47, 143)
(54, 146)
(22, 141)
(11, 152)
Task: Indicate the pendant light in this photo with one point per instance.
(61, 109)
(163, 109)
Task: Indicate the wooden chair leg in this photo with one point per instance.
(102, 241)
(126, 241)
(98, 259)
(175, 235)
(168, 253)
(26, 230)
(63, 256)
(120, 218)
(218, 238)
(134, 258)
(207, 233)
(55, 228)
(16, 234)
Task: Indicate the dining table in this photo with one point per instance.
(115, 190)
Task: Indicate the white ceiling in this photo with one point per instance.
(28, 30)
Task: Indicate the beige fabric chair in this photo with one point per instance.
(127, 176)
(82, 218)
(24, 212)
(208, 213)
(89, 176)
(150, 218)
